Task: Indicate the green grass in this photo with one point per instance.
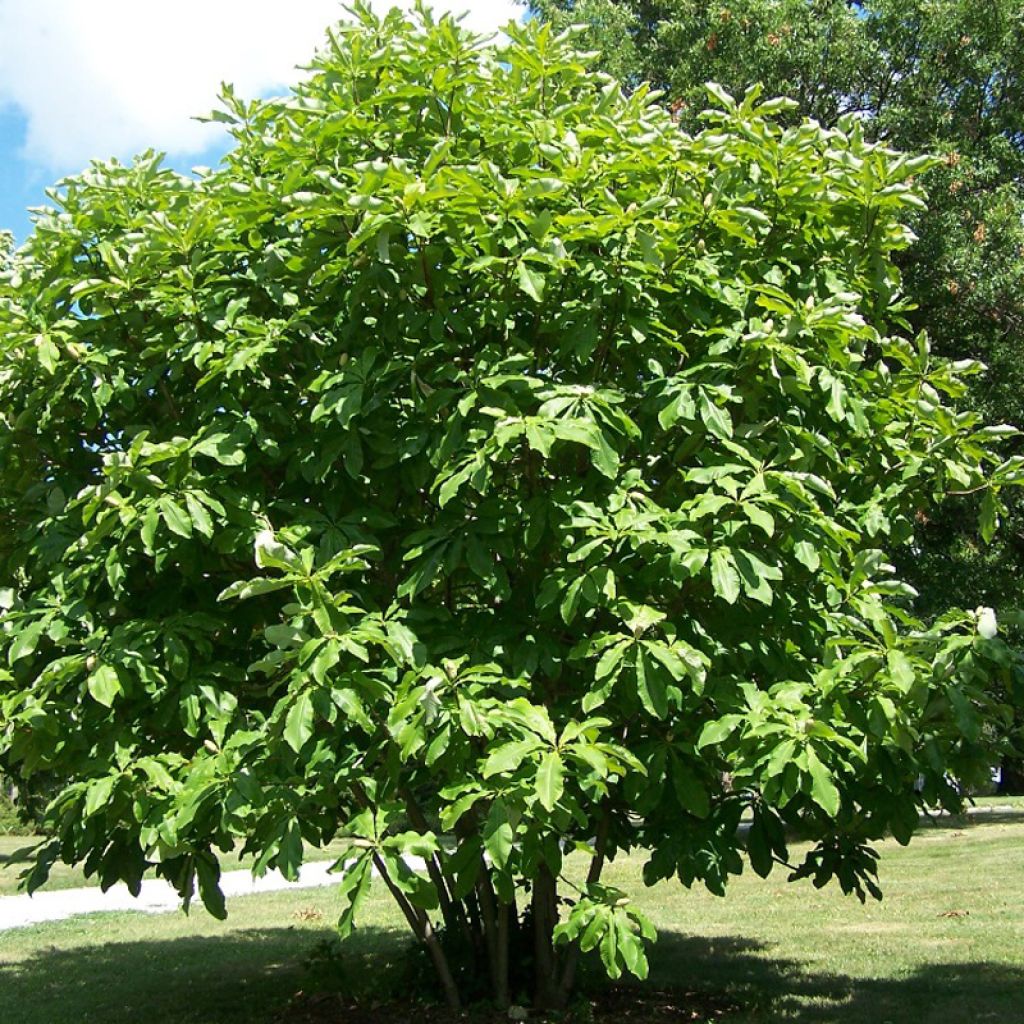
(999, 801)
(944, 946)
(15, 856)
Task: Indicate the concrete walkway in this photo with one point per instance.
(157, 896)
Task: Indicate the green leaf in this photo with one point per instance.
(651, 687)
(724, 575)
(631, 950)
(298, 727)
(716, 419)
(508, 757)
(147, 532)
(498, 834)
(758, 849)
(691, 792)
(609, 952)
(251, 588)
(355, 888)
(530, 281)
(595, 928)
(176, 656)
(989, 521)
(720, 96)
(604, 457)
(226, 448)
(760, 517)
(550, 781)
(199, 515)
(104, 685)
(755, 577)
(611, 661)
(49, 354)
(272, 554)
(290, 852)
(807, 555)
(823, 789)
(901, 670)
(175, 517)
(437, 155)
(97, 796)
(717, 730)
(208, 874)
(25, 641)
(570, 600)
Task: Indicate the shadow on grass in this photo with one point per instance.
(232, 979)
(250, 975)
(980, 816)
(771, 988)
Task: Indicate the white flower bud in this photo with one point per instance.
(988, 627)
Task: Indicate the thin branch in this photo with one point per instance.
(453, 916)
(420, 924)
(593, 877)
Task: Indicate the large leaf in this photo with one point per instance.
(498, 834)
(298, 726)
(550, 781)
(105, 685)
(724, 575)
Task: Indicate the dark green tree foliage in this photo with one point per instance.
(478, 467)
(939, 75)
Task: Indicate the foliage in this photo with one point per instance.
(477, 467)
(940, 75)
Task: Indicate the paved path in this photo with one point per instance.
(157, 896)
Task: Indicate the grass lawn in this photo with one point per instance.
(946, 945)
(1000, 801)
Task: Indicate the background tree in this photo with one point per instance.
(479, 468)
(945, 76)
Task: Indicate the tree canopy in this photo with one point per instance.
(945, 76)
(481, 468)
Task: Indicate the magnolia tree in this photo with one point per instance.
(479, 468)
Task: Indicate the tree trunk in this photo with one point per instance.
(501, 983)
(547, 994)
(419, 922)
(1011, 782)
(451, 910)
(489, 914)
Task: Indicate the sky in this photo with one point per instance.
(86, 79)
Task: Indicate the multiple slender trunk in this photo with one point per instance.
(513, 948)
(484, 936)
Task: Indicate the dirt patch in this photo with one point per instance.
(619, 1005)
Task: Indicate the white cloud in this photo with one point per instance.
(97, 78)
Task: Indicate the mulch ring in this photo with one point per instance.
(615, 1005)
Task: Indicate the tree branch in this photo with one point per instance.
(593, 877)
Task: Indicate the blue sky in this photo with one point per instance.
(20, 183)
(85, 79)
(24, 181)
